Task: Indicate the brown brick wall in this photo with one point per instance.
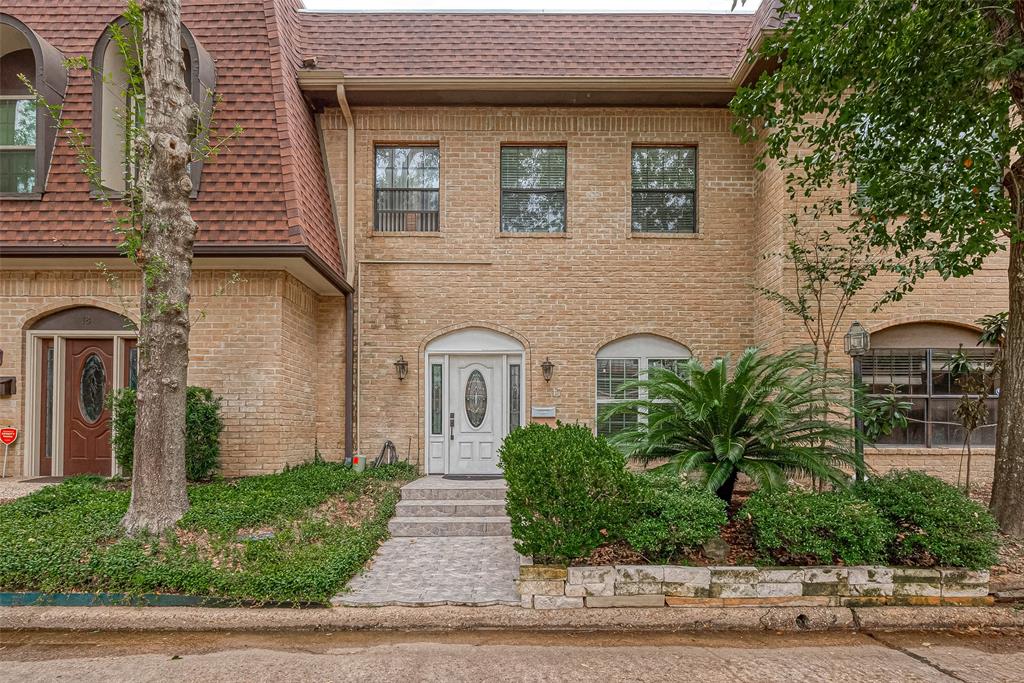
(566, 296)
(268, 345)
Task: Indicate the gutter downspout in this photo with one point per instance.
(351, 353)
(349, 332)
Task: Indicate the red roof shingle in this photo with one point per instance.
(526, 44)
(268, 188)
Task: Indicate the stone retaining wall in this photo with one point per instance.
(558, 587)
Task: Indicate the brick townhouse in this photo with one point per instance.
(435, 227)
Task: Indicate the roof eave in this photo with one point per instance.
(313, 80)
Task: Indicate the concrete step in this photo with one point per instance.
(450, 526)
(437, 488)
(451, 508)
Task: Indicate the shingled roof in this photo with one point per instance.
(267, 189)
(526, 44)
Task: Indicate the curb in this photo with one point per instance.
(500, 618)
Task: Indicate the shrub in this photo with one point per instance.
(671, 516)
(770, 417)
(792, 526)
(936, 524)
(203, 426)
(568, 491)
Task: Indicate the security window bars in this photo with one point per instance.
(407, 190)
(17, 144)
(923, 378)
(612, 374)
(665, 189)
(532, 189)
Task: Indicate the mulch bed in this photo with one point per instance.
(1009, 572)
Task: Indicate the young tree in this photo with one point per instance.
(828, 272)
(919, 103)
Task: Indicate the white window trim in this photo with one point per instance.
(643, 364)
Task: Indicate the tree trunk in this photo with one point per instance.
(725, 490)
(1007, 502)
(159, 498)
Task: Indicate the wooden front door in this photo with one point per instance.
(89, 372)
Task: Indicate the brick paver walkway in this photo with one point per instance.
(422, 571)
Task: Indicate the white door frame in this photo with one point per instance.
(469, 342)
(33, 377)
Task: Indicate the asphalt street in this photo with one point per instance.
(509, 656)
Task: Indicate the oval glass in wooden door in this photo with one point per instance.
(92, 388)
(88, 378)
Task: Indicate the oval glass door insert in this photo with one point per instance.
(92, 388)
(476, 398)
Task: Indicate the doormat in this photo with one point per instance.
(43, 480)
(472, 477)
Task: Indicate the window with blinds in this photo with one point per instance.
(407, 189)
(532, 189)
(924, 379)
(664, 189)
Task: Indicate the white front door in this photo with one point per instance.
(477, 413)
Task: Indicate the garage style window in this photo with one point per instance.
(407, 189)
(532, 189)
(923, 378)
(665, 189)
(626, 360)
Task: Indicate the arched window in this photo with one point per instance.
(625, 360)
(111, 107)
(913, 361)
(26, 131)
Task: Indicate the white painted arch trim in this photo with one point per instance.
(466, 341)
(475, 340)
(643, 346)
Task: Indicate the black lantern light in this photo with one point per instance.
(547, 367)
(857, 341)
(402, 367)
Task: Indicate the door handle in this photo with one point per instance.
(451, 426)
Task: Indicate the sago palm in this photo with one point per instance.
(772, 417)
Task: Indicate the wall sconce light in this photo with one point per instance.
(547, 367)
(402, 367)
(857, 341)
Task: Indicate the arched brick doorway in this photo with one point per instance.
(77, 357)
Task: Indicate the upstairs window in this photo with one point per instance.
(17, 127)
(26, 131)
(532, 189)
(407, 189)
(114, 108)
(664, 189)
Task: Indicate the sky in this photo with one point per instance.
(537, 5)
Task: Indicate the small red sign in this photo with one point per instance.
(8, 435)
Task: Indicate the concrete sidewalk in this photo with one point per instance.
(501, 618)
